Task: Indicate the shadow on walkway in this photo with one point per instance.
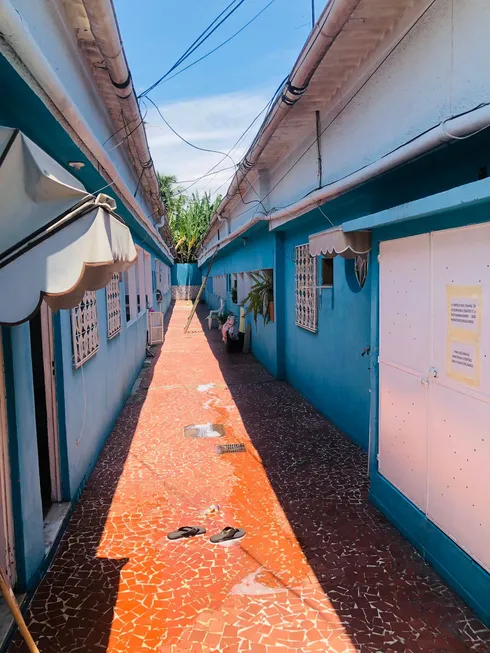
(386, 596)
(320, 570)
(74, 607)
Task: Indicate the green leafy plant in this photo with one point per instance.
(261, 295)
(222, 317)
(188, 217)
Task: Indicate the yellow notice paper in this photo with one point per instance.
(463, 333)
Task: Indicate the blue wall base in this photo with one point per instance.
(462, 573)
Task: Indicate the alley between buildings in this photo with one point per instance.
(318, 570)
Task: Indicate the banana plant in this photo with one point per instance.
(261, 295)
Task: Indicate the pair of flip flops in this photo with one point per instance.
(228, 534)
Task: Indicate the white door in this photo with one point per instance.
(404, 360)
(51, 403)
(435, 379)
(7, 546)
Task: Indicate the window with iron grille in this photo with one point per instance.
(306, 296)
(85, 329)
(113, 300)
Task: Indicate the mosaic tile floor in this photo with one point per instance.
(319, 569)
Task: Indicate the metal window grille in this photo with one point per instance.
(85, 329)
(306, 281)
(113, 300)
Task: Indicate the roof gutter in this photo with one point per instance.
(105, 30)
(449, 130)
(328, 27)
(15, 33)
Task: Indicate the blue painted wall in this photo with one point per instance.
(26, 494)
(90, 398)
(257, 253)
(95, 393)
(327, 367)
(186, 274)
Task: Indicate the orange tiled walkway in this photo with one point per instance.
(319, 569)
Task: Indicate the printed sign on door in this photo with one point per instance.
(463, 333)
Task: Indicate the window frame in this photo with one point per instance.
(115, 303)
(89, 296)
(140, 283)
(306, 297)
(129, 278)
(323, 260)
(148, 279)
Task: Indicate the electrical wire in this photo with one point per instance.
(265, 108)
(197, 43)
(297, 161)
(207, 174)
(193, 145)
(221, 44)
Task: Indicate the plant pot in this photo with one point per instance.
(271, 311)
(234, 346)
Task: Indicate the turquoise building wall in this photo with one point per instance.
(186, 274)
(89, 398)
(328, 367)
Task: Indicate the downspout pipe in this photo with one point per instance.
(15, 33)
(105, 30)
(448, 131)
(328, 27)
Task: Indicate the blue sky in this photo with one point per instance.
(213, 102)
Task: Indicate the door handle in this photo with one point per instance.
(424, 381)
(433, 372)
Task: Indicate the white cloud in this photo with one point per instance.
(214, 123)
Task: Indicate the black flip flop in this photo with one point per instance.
(227, 535)
(186, 531)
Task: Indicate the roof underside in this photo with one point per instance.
(366, 32)
(79, 21)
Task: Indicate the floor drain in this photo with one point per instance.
(230, 448)
(204, 431)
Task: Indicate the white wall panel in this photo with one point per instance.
(403, 432)
(461, 257)
(431, 75)
(404, 298)
(459, 469)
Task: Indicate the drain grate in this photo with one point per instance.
(204, 431)
(230, 448)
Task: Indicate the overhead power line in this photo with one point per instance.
(221, 44)
(198, 42)
(301, 156)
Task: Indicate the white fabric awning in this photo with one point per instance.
(56, 240)
(333, 242)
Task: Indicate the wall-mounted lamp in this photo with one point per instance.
(78, 165)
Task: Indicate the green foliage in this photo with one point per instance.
(261, 294)
(222, 317)
(188, 217)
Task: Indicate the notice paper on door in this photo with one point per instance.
(464, 362)
(464, 313)
(463, 333)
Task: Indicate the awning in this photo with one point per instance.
(333, 242)
(56, 240)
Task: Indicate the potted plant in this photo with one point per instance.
(260, 299)
(222, 317)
